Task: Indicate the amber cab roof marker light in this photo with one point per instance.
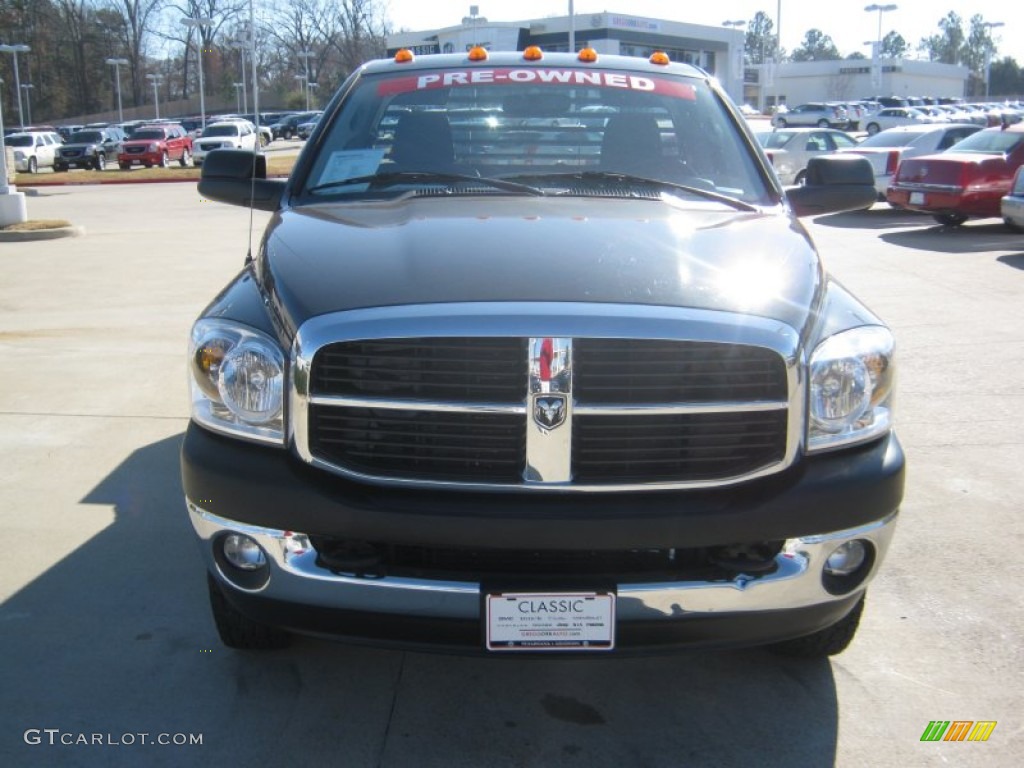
(478, 53)
(533, 53)
(660, 57)
(404, 56)
(587, 55)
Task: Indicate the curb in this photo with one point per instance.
(41, 234)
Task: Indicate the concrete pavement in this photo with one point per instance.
(104, 626)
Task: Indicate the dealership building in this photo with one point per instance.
(717, 50)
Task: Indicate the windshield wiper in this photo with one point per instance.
(626, 178)
(400, 177)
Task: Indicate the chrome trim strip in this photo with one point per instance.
(669, 409)
(338, 401)
(919, 187)
(295, 578)
(537, 320)
(549, 423)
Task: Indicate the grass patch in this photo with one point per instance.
(276, 166)
(34, 225)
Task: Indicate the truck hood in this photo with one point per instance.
(324, 258)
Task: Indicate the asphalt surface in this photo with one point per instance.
(105, 632)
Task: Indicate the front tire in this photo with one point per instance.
(780, 123)
(823, 123)
(873, 128)
(33, 165)
(950, 219)
(164, 160)
(1012, 227)
(825, 642)
(186, 159)
(100, 163)
(239, 631)
(801, 178)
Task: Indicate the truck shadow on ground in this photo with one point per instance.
(880, 216)
(116, 638)
(970, 238)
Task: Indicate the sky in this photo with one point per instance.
(845, 21)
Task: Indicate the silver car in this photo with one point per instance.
(819, 114)
(790, 149)
(885, 150)
(1012, 205)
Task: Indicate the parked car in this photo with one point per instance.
(288, 127)
(65, 131)
(156, 145)
(887, 148)
(88, 148)
(33, 149)
(305, 129)
(790, 149)
(228, 134)
(432, 407)
(890, 117)
(970, 179)
(1012, 205)
(817, 114)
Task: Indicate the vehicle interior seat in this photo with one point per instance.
(632, 144)
(423, 142)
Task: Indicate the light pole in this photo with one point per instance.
(304, 55)
(988, 52)
(16, 49)
(737, 58)
(302, 79)
(881, 9)
(242, 47)
(116, 64)
(238, 96)
(876, 49)
(27, 88)
(199, 24)
(311, 86)
(156, 80)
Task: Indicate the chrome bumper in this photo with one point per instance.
(295, 578)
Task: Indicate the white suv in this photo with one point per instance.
(225, 134)
(33, 149)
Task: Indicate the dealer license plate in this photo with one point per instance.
(917, 198)
(550, 621)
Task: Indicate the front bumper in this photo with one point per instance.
(302, 596)
(233, 486)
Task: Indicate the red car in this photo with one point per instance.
(969, 179)
(156, 145)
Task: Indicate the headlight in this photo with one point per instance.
(237, 379)
(153, 148)
(19, 155)
(851, 388)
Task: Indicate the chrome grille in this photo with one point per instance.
(522, 411)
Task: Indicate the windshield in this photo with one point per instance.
(774, 139)
(148, 133)
(220, 130)
(994, 142)
(86, 137)
(891, 139)
(19, 141)
(560, 129)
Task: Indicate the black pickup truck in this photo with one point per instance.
(535, 356)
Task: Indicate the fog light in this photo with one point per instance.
(847, 558)
(243, 552)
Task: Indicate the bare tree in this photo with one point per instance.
(137, 19)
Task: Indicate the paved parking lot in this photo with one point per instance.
(104, 626)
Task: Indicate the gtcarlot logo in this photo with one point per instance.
(56, 737)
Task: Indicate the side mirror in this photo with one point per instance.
(239, 177)
(834, 184)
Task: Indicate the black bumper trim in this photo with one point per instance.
(271, 488)
(465, 636)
